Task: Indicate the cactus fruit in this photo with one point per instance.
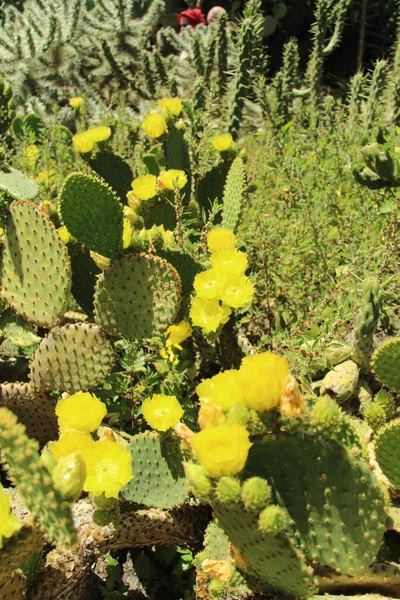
(385, 399)
(17, 185)
(378, 159)
(159, 479)
(72, 358)
(234, 194)
(114, 170)
(256, 494)
(375, 416)
(22, 460)
(338, 352)
(386, 362)
(341, 382)
(92, 213)
(228, 490)
(35, 271)
(366, 323)
(273, 520)
(138, 296)
(387, 451)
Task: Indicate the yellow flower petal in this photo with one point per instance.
(220, 239)
(144, 187)
(238, 291)
(83, 142)
(210, 284)
(223, 390)
(9, 524)
(162, 412)
(70, 443)
(171, 178)
(208, 314)
(81, 411)
(230, 261)
(99, 134)
(222, 142)
(154, 125)
(76, 101)
(263, 378)
(222, 450)
(178, 333)
(108, 468)
(173, 106)
(64, 234)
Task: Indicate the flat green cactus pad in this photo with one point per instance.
(386, 364)
(387, 451)
(84, 277)
(72, 358)
(159, 479)
(92, 213)
(137, 296)
(114, 170)
(338, 513)
(17, 330)
(17, 185)
(35, 271)
(234, 193)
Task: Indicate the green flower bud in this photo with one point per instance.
(326, 409)
(338, 352)
(198, 478)
(272, 520)
(385, 400)
(228, 490)
(69, 475)
(375, 416)
(215, 588)
(256, 494)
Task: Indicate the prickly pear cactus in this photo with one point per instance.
(234, 194)
(72, 358)
(35, 270)
(17, 185)
(379, 160)
(138, 296)
(159, 479)
(387, 451)
(386, 364)
(341, 382)
(366, 323)
(92, 213)
(114, 170)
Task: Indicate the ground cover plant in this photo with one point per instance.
(199, 312)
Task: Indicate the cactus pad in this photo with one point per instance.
(17, 185)
(159, 479)
(84, 277)
(387, 451)
(35, 271)
(234, 193)
(137, 296)
(386, 364)
(92, 213)
(114, 170)
(72, 358)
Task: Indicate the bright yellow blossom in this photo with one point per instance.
(99, 134)
(108, 468)
(210, 284)
(172, 106)
(64, 234)
(222, 142)
(238, 291)
(263, 378)
(231, 261)
(162, 412)
(222, 450)
(126, 233)
(210, 415)
(171, 178)
(223, 390)
(9, 523)
(154, 125)
(83, 142)
(144, 187)
(76, 102)
(208, 314)
(220, 238)
(178, 333)
(71, 442)
(46, 177)
(32, 155)
(69, 475)
(81, 411)
(1, 231)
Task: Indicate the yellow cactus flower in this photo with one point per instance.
(238, 292)
(223, 390)
(108, 469)
(219, 239)
(101, 261)
(46, 177)
(1, 231)
(99, 134)
(154, 125)
(172, 106)
(291, 403)
(126, 233)
(32, 155)
(222, 450)
(210, 415)
(209, 284)
(130, 215)
(69, 475)
(178, 333)
(231, 261)
(64, 234)
(168, 237)
(81, 411)
(263, 378)
(133, 200)
(171, 178)
(70, 443)
(222, 142)
(83, 142)
(9, 523)
(208, 314)
(218, 569)
(76, 101)
(144, 187)
(162, 412)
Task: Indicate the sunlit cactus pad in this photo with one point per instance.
(386, 364)
(137, 296)
(387, 451)
(159, 479)
(72, 358)
(35, 271)
(92, 213)
(18, 185)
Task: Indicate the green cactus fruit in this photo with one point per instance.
(256, 494)
(379, 160)
(198, 480)
(159, 479)
(17, 330)
(216, 588)
(35, 411)
(338, 352)
(92, 213)
(84, 273)
(234, 195)
(387, 451)
(69, 475)
(115, 171)
(72, 358)
(35, 270)
(17, 185)
(386, 364)
(366, 323)
(228, 490)
(337, 515)
(341, 383)
(374, 415)
(385, 399)
(273, 520)
(138, 296)
(326, 409)
(22, 460)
